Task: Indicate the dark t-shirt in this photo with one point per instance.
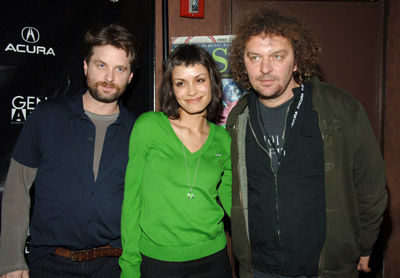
(274, 120)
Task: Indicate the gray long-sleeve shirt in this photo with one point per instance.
(15, 217)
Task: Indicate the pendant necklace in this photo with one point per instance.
(190, 194)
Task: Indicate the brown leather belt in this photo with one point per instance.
(90, 254)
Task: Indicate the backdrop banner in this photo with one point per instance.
(41, 57)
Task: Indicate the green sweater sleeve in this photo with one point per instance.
(131, 208)
(225, 188)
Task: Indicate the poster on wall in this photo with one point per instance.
(41, 57)
(218, 47)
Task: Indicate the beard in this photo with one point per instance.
(109, 97)
(275, 91)
(276, 94)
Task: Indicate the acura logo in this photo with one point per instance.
(30, 34)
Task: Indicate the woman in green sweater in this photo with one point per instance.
(178, 174)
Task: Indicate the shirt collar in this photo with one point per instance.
(76, 105)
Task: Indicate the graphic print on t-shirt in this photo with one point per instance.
(274, 121)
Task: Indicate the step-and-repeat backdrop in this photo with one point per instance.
(41, 56)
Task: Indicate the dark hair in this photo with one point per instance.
(190, 55)
(115, 35)
(269, 21)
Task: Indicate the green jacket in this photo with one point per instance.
(355, 191)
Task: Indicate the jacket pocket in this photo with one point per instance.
(341, 245)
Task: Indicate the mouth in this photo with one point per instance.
(193, 100)
(107, 86)
(267, 82)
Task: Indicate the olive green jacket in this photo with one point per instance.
(355, 191)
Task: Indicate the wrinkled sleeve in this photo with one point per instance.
(369, 180)
(225, 188)
(131, 208)
(15, 217)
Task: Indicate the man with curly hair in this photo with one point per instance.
(308, 176)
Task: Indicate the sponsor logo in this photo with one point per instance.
(30, 35)
(22, 106)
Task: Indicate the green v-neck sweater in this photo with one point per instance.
(158, 220)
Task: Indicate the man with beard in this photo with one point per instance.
(75, 150)
(308, 189)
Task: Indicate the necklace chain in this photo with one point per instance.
(190, 194)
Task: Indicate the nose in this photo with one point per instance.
(266, 66)
(192, 90)
(109, 76)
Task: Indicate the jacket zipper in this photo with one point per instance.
(278, 232)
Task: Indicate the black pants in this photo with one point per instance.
(258, 274)
(53, 266)
(213, 266)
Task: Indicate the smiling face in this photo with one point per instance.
(108, 73)
(192, 88)
(270, 63)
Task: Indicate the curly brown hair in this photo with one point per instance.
(268, 20)
(190, 55)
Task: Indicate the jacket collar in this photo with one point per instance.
(242, 103)
(315, 93)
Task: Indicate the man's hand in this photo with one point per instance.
(363, 264)
(16, 274)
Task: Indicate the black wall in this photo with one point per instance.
(46, 61)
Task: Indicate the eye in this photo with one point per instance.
(120, 69)
(254, 58)
(201, 80)
(100, 65)
(179, 84)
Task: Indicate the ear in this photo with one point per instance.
(295, 66)
(85, 67)
(130, 77)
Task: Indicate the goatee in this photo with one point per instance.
(103, 97)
